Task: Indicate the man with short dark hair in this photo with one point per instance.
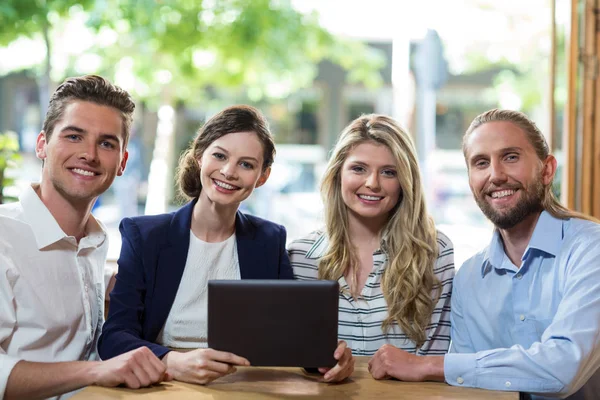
(53, 252)
(526, 310)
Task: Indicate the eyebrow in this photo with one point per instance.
(104, 136)
(108, 136)
(501, 151)
(243, 157)
(73, 128)
(363, 163)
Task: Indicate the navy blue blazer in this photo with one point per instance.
(151, 264)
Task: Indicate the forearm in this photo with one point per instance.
(551, 368)
(34, 380)
(170, 359)
(433, 368)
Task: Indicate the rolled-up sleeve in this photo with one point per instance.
(7, 320)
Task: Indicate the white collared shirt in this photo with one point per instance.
(51, 287)
(360, 320)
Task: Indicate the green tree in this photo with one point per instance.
(174, 50)
(185, 46)
(35, 19)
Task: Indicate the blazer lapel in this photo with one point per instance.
(170, 265)
(250, 252)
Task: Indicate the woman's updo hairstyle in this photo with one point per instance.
(240, 118)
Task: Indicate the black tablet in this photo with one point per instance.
(275, 322)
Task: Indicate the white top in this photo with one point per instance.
(51, 288)
(187, 323)
(359, 321)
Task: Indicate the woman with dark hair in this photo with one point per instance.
(160, 297)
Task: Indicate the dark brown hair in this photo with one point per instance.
(240, 118)
(92, 88)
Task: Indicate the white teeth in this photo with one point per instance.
(373, 198)
(502, 193)
(83, 172)
(225, 185)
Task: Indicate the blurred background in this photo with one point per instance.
(311, 66)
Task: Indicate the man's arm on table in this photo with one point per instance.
(135, 369)
(19, 378)
(560, 363)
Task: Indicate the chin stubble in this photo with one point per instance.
(530, 203)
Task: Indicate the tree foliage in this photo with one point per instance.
(178, 48)
(30, 17)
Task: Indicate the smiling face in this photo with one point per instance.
(231, 167)
(505, 174)
(369, 178)
(84, 153)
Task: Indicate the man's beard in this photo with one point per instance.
(530, 203)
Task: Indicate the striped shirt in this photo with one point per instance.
(359, 321)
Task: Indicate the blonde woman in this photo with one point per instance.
(395, 270)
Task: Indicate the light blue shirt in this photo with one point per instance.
(534, 329)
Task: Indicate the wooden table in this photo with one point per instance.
(274, 383)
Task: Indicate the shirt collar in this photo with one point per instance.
(494, 254)
(547, 237)
(45, 228)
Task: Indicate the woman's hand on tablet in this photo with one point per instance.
(202, 366)
(344, 366)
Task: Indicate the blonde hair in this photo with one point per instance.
(409, 238)
(549, 201)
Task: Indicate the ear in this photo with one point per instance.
(123, 163)
(548, 169)
(40, 146)
(263, 177)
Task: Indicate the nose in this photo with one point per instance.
(89, 152)
(228, 171)
(373, 181)
(497, 173)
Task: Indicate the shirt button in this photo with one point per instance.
(460, 380)
(507, 384)
(359, 319)
(522, 317)
(519, 276)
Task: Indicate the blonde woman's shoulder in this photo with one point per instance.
(444, 265)
(444, 242)
(304, 243)
(302, 255)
